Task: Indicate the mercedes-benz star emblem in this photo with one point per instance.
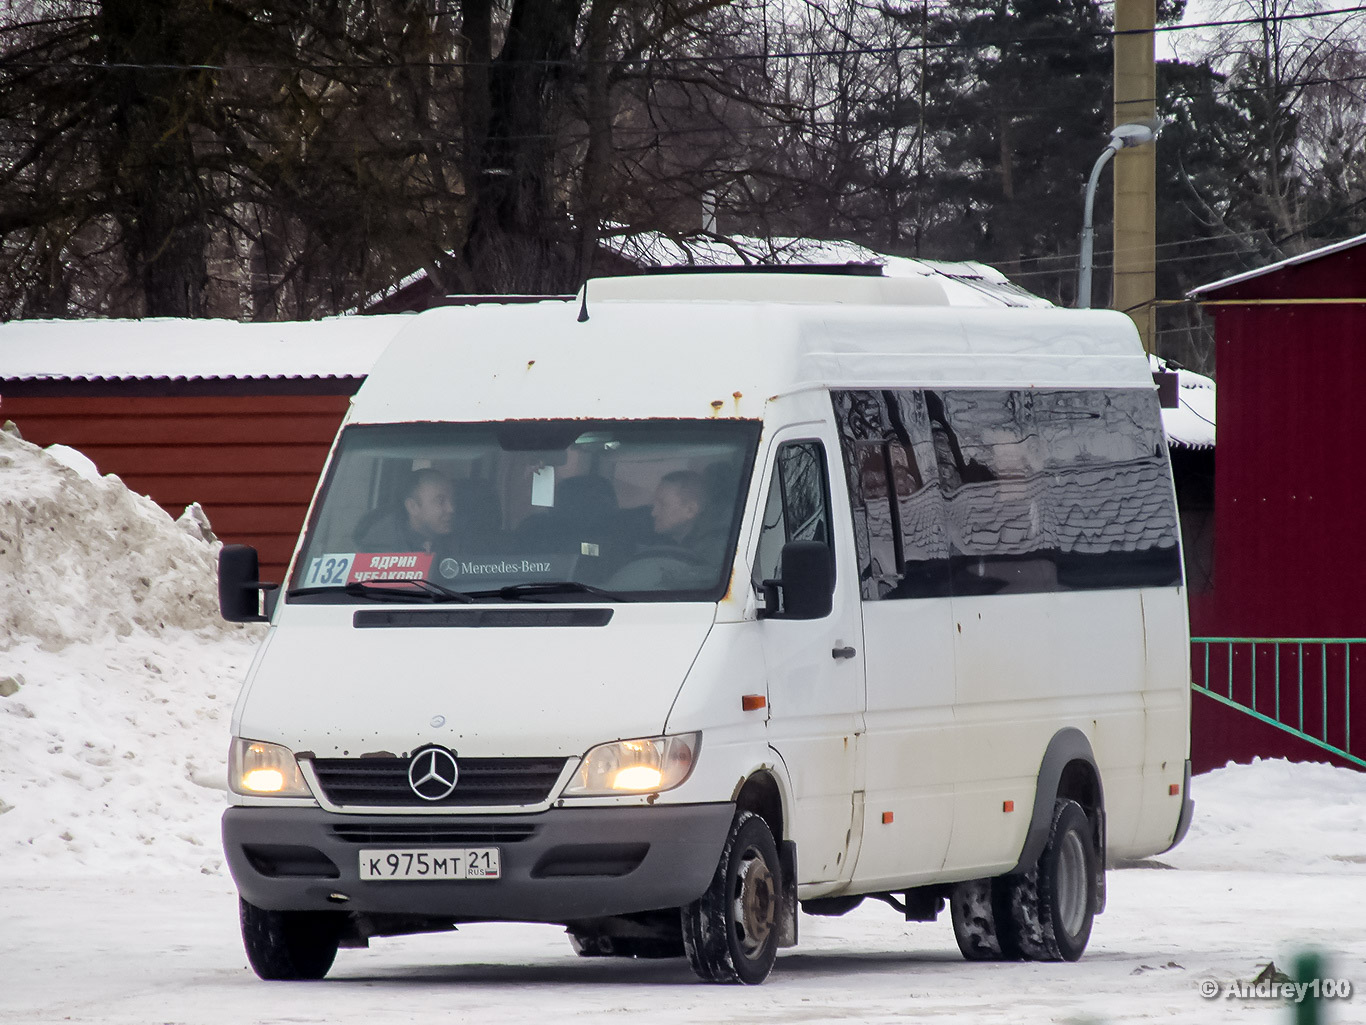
(432, 773)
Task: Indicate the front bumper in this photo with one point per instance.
(558, 865)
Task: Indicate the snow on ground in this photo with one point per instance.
(1277, 817)
(116, 909)
(121, 673)
(132, 944)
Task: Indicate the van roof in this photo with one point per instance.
(693, 346)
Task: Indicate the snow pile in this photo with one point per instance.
(82, 557)
(1277, 816)
(117, 676)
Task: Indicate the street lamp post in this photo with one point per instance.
(1133, 134)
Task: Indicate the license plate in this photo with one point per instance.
(443, 863)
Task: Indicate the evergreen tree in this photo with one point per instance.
(1023, 107)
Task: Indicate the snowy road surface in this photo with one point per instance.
(141, 950)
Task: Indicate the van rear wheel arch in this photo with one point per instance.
(1067, 771)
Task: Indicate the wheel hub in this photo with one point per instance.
(756, 901)
(1072, 884)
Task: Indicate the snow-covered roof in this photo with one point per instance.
(1313, 254)
(966, 283)
(168, 348)
(1191, 424)
(685, 358)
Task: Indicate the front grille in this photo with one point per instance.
(472, 834)
(483, 782)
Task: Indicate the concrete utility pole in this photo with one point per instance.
(1136, 168)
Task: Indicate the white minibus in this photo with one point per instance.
(707, 599)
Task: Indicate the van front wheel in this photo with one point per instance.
(730, 933)
(290, 945)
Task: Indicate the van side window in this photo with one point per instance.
(1113, 519)
(1055, 490)
(996, 496)
(894, 491)
(797, 508)
(986, 491)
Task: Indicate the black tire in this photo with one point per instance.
(1053, 905)
(730, 933)
(980, 911)
(290, 945)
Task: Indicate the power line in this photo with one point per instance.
(1071, 258)
(1070, 272)
(648, 61)
(797, 124)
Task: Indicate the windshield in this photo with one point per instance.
(529, 510)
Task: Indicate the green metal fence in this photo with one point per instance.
(1302, 685)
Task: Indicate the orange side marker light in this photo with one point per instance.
(753, 702)
(886, 817)
(1007, 806)
(1174, 789)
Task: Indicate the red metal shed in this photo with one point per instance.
(237, 417)
(1288, 606)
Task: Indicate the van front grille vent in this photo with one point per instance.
(482, 782)
(469, 834)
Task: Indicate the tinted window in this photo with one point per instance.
(987, 491)
(890, 468)
(797, 507)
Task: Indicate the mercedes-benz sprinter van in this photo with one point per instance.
(663, 614)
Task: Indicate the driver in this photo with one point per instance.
(680, 501)
(425, 522)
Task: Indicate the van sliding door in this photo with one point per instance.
(911, 754)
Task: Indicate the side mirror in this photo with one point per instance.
(807, 585)
(239, 585)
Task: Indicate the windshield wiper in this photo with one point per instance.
(386, 592)
(538, 588)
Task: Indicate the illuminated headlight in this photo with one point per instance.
(645, 766)
(256, 768)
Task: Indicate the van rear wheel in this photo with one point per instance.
(730, 933)
(290, 945)
(980, 911)
(1053, 905)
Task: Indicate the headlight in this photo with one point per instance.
(644, 766)
(256, 768)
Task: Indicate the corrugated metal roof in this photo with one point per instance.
(170, 349)
(1313, 254)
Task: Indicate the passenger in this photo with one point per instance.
(425, 522)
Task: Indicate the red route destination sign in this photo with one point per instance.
(381, 566)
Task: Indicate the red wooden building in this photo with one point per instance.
(237, 417)
(1288, 677)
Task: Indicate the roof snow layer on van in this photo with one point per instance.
(691, 355)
